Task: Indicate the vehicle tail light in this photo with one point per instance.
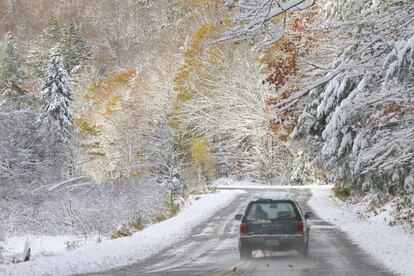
(243, 228)
(299, 227)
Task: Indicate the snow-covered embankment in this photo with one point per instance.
(124, 251)
(391, 246)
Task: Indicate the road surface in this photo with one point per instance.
(212, 250)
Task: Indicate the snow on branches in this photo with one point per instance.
(363, 117)
(18, 146)
(55, 117)
(11, 73)
(255, 19)
(230, 111)
(400, 62)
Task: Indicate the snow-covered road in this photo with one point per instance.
(212, 250)
(202, 240)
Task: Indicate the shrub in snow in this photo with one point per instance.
(19, 160)
(85, 210)
(387, 209)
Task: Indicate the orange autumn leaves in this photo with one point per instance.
(282, 67)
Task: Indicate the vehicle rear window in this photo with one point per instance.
(272, 210)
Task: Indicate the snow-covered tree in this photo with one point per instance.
(255, 19)
(75, 51)
(361, 112)
(68, 38)
(229, 109)
(11, 73)
(162, 157)
(39, 54)
(55, 117)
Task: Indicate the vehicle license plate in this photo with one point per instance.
(271, 243)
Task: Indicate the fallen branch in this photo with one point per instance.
(51, 187)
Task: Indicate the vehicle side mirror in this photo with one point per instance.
(308, 215)
(238, 217)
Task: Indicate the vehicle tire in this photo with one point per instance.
(245, 253)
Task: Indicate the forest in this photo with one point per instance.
(113, 111)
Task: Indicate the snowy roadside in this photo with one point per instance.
(229, 184)
(390, 246)
(123, 251)
(42, 246)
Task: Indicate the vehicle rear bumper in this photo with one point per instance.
(285, 242)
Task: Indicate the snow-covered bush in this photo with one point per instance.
(85, 210)
(18, 147)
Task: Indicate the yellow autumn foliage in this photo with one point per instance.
(111, 106)
(103, 101)
(200, 153)
(109, 86)
(202, 160)
(86, 127)
(186, 79)
(278, 18)
(192, 56)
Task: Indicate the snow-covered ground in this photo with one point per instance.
(228, 183)
(120, 252)
(43, 245)
(391, 246)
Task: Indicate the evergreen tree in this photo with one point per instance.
(74, 47)
(55, 116)
(11, 73)
(39, 54)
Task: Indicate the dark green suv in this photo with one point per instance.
(273, 222)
